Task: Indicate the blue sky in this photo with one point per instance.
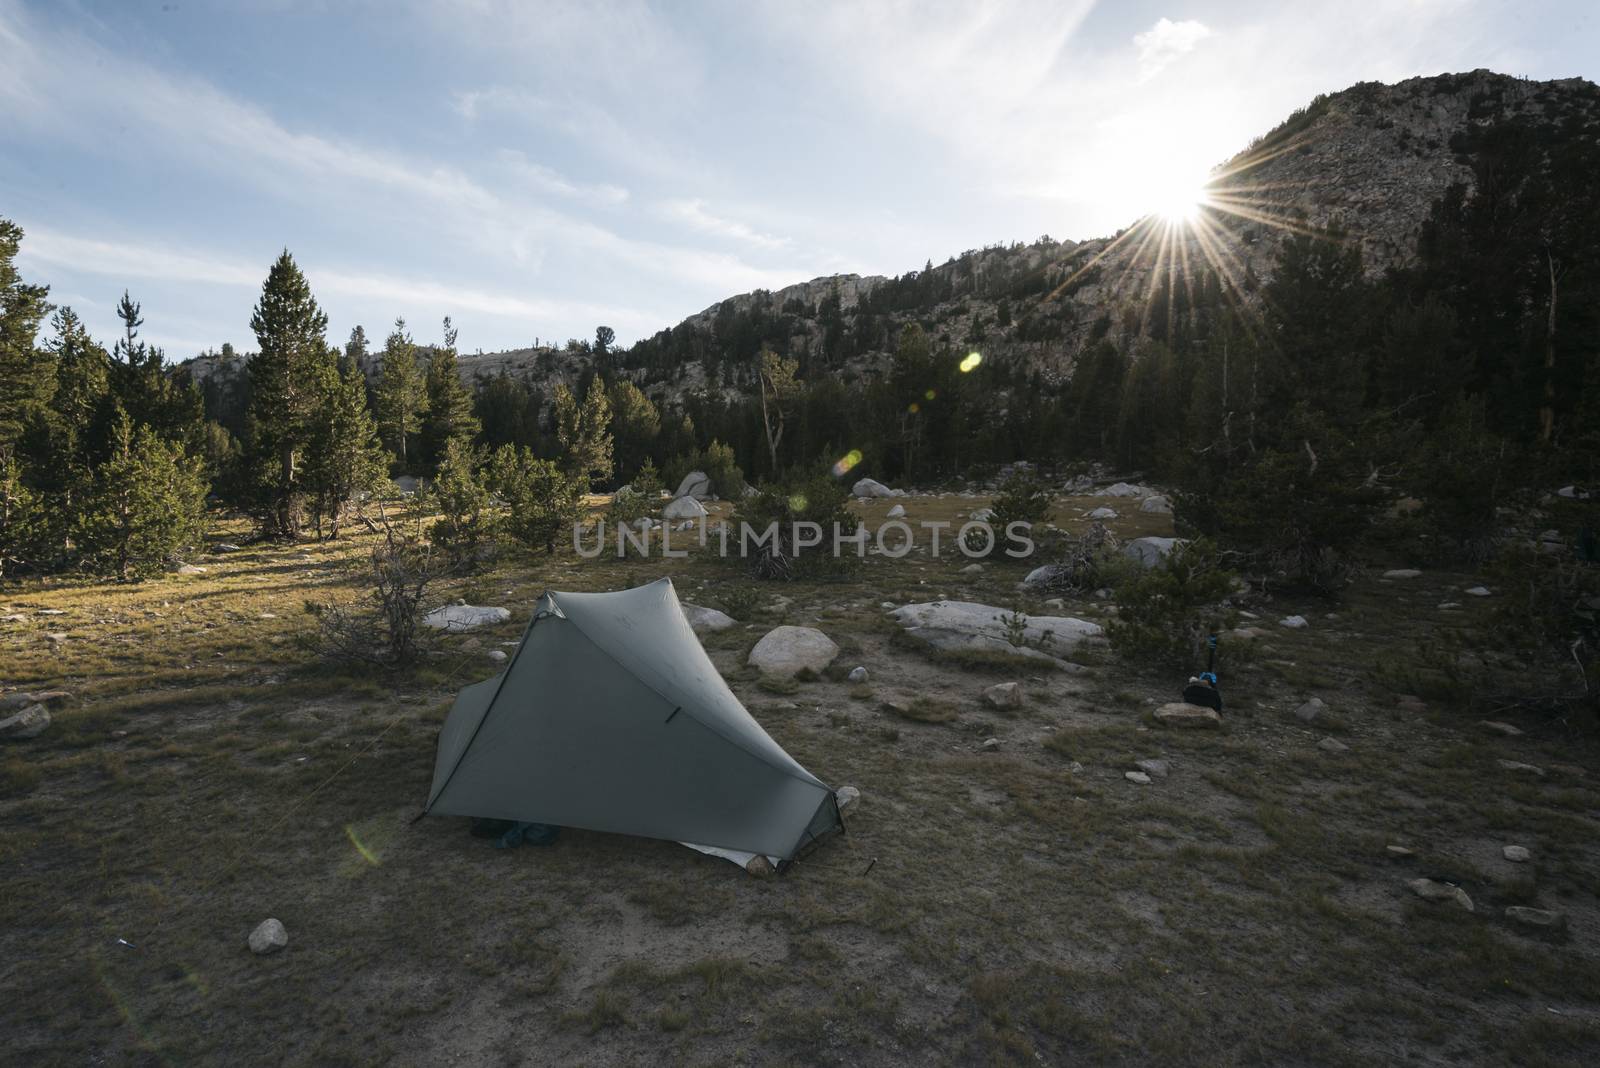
(534, 170)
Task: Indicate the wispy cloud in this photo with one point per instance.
(1166, 41)
(693, 214)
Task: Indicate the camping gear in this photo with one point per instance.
(610, 717)
(1202, 689)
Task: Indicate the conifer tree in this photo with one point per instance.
(147, 501)
(345, 457)
(584, 433)
(142, 384)
(450, 415)
(541, 499)
(459, 494)
(26, 381)
(290, 377)
(402, 394)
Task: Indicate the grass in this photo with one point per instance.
(984, 908)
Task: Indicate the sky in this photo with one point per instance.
(534, 170)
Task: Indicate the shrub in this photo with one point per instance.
(817, 499)
(541, 500)
(1167, 612)
(638, 499)
(458, 493)
(1023, 498)
(386, 630)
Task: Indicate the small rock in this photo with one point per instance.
(1515, 854)
(990, 745)
(225, 547)
(1103, 513)
(785, 651)
(1402, 573)
(497, 655)
(1477, 591)
(846, 797)
(1156, 768)
(29, 723)
(703, 620)
(1157, 505)
(1003, 695)
(858, 675)
(1293, 622)
(458, 617)
(1332, 745)
(897, 512)
(760, 867)
(55, 636)
(1137, 776)
(17, 700)
(1494, 726)
(1542, 918)
(1055, 603)
(1179, 714)
(1399, 851)
(972, 569)
(1430, 890)
(1311, 711)
(188, 569)
(684, 508)
(268, 937)
(1520, 768)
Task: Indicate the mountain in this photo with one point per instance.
(1372, 160)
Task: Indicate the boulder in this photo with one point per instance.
(897, 512)
(684, 508)
(1478, 591)
(458, 617)
(702, 620)
(1157, 505)
(697, 484)
(1294, 622)
(1541, 918)
(1431, 890)
(972, 569)
(1003, 695)
(858, 675)
(1103, 513)
(958, 625)
(1154, 768)
(407, 484)
(785, 651)
(1137, 776)
(188, 569)
(1332, 745)
(1179, 714)
(1311, 711)
(1402, 573)
(982, 515)
(12, 701)
(1515, 854)
(847, 797)
(869, 487)
(1151, 551)
(225, 547)
(268, 937)
(497, 655)
(1047, 576)
(28, 723)
(1122, 489)
(990, 745)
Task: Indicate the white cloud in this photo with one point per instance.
(1165, 42)
(693, 214)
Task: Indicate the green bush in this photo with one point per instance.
(458, 493)
(541, 500)
(637, 499)
(1166, 613)
(798, 499)
(1023, 498)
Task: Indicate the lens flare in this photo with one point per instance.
(973, 359)
(844, 463)
(797, 503)
(930, 394)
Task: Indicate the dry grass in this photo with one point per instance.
(985, 908)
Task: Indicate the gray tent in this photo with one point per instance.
(610, 717)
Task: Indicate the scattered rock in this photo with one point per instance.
(1151, 551)
(1332, 745)
(1247, 634)
(225, 547)
(697, 484)
(1311, 711)
(684, 508)
(407, 484)
(846, 797)
(1520, 768)
(1477, 591)
(1541, 918)
(1515, 854)
(1399, 851)
(972, 569)
(1137, 776)
(1157, 505)
(1003, 695)
(1056, 603)
(58, 611)
(188, 569)
(28, 723)
(1122, 489)
(858, 675)
(990, 745)
(1293, 622)
(760, 867)
(1494, 726)
(1103, 513)
(982, 515)
(1402, 573)
(954, 625)
(786, 651)
(1155, 768)
(13, 617)
(458, 617)
(1178, 714)
(703, 620)
(11, 701)
(869, 487)
(1046, 576)
(497, 655)
(268, 937)
(1430, 890)
(55, 637)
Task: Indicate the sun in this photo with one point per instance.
(1180, 201)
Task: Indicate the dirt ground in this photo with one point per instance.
(1026, 905)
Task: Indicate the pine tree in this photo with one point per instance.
(458, 493)
(289, 378)
(450, 417)
(635, 425)
(147, 501)
(142, 384)
(402, 395)
(584, 433)
(355, 350)
(345, 457)
(541, 499)
(26, 378)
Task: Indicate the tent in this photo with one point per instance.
(610, 717)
